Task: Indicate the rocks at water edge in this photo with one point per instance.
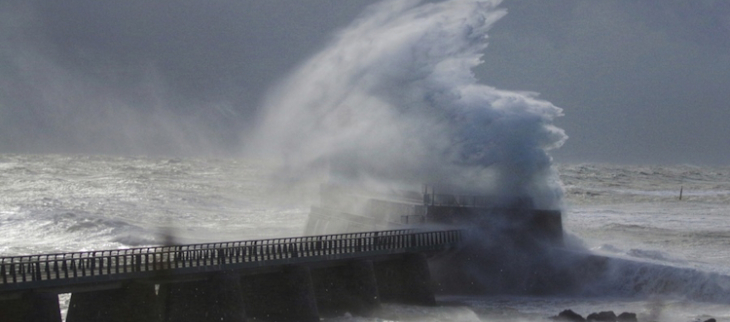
(569, 316)
(605, 316)
(627, 317)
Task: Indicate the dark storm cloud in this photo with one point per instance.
(202, 47)
(639, 81)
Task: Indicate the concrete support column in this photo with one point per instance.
(132, 303)
(31, 307)
(350, 288)
(216, 299)
(284, 296)
(405, 280)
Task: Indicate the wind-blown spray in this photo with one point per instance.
(392, 99)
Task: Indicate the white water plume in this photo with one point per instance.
(392, 99)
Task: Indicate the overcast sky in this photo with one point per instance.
(639, 81)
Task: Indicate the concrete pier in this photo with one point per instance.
(287, 295)
(405, 280)
(218, 298)
(282, 279)
(132, 302)
(31, 307)
(348, 288)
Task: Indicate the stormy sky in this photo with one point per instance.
(639, 81)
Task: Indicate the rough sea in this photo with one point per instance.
(58, 203)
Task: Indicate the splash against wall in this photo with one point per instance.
(392, 100)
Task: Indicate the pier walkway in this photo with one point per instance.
(262, 279)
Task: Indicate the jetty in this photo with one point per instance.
(282, 279)
(359, 249)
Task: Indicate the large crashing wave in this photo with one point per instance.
(392, 99)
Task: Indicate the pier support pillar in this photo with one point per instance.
(216, 299)
(131, 303)
(31, 307)
(350, 288)
(283, 296)
(406, 280)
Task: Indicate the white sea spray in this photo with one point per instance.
(392, 100)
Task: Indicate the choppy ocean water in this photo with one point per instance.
(54, 203)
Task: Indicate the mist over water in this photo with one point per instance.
(92, 103)
(392, 101)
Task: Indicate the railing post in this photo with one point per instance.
(318, 245)
(73, 267)
(21, 269)
(48, 269)
(38, 273)
(91, 261)
(178, 258)
(138, 262)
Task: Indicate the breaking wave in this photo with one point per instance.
(392, 100)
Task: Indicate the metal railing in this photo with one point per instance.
(18, 270)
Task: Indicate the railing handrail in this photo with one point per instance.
(151, 249)
(63, 266)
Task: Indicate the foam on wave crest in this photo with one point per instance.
(641, 279)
